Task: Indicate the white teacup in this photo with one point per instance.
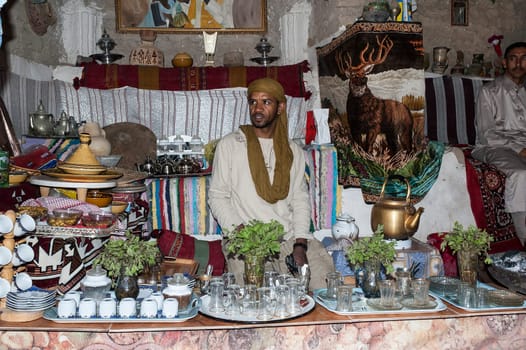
(24, 224)
(73, 294)
(66, 308)
(23, 254)
(23, 281)
(149, 308)
(107, 308)
(5, 287)
(27, 222)
(127, 308)
(159, 298)
(6, 224)
(87, 308)
(5, 255)
(170, 307)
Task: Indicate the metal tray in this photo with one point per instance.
(453, 301)
(205, 300)
(362, 307)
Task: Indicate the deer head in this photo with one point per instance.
(358, 74)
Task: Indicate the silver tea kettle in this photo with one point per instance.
(41, 123)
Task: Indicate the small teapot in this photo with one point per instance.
(345, 227)
(148, 166)
(62, 126)
(41, 123)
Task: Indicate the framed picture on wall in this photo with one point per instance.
(459, 12)
(191, 16)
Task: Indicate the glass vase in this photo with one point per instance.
(127, 286)
(254, 269)
(467, 263)
(371, 274)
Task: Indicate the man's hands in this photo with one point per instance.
(299, 252)
(522, 153)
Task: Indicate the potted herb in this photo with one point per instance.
(127, 258)
(468, 244)
(369, 254)
(254, 243)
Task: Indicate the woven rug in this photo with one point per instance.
(112, 76)
(486, 185)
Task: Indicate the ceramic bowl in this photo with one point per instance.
(98, 220)
(17, 177)
(109, 161)
(98, 198)
(64, 217)
(118, 207)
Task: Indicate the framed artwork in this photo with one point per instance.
(459, 12)
(191, 16)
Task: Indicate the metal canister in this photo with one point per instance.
(4, 168)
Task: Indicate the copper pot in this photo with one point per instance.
(398, 216)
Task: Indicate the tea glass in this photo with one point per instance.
(387, 292)
(216, 296)
(334, 279)
(249, 302)
(282, 301)
(344, 298)
(420, 288)
(266, 303)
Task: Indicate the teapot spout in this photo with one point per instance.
(412, 221)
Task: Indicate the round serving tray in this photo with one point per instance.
(205, 300)
(60, 174)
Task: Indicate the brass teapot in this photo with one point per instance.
(399, 217)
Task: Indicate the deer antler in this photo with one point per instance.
(344, 59)
(384, 47)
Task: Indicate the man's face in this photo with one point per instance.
(264, 112)
(515, 64)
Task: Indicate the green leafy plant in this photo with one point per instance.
(131, 254)
(256, 238)
(373, 249)
(470, 239)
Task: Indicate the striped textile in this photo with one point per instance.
(450, 108)
(111, 76)
(180, 204)
(22, 97)
(210, 114)
(322, 177)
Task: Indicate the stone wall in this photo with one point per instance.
(327, 19)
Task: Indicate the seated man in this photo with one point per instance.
(501, 131)
(259, 173)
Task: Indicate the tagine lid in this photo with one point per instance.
(83, 154)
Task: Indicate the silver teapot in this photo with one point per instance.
(62, 126)
(345, 228)
(41, 123)
(148, 166)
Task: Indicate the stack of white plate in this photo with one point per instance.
(33, 299)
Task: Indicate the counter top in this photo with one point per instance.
(318, 316)
(320, 329)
